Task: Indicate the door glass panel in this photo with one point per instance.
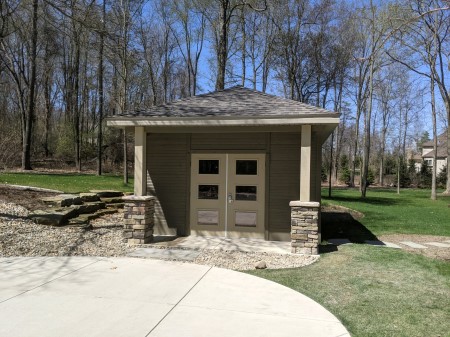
(210, 217)
(208, 192)
(246, 167)
(246, 193)
(208, 166)
(245, 219)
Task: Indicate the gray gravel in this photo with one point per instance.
(22, 237)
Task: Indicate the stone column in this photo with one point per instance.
(305, 227)
(138, 219)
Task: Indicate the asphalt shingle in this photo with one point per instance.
(233, 102)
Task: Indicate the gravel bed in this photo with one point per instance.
(22, 237)
(246, 261)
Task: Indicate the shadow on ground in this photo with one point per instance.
(372, 200)
(342, 225)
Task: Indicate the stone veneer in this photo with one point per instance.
(138, 219)
(305, 227)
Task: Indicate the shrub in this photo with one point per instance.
(441, 178)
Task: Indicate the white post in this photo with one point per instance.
(140, 160)
(305, 164)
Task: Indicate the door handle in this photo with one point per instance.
(230, 198)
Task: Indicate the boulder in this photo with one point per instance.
(260, 265)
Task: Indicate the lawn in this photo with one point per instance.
(386, 212)
(376, 291)
(68, 182)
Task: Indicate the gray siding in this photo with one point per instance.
(229, 141)
(284, 182)
(167, 165)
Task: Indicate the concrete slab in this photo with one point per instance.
(254, 245)
(339, 242)
(382, 244)
(438, 244)
(166, 254)
(391, 245)
(145, 297)
(413, 244)
(243, 245)
(22, 274)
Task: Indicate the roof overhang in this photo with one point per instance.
(286, 120)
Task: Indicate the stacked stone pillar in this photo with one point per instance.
(305, 227)
(138, 219)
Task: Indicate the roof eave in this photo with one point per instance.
(329, 118)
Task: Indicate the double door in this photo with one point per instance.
(227, 196)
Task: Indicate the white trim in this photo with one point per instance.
(221, 121)
(298, 203)
(226, 195)
(305, 164)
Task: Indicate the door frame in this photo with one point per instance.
(263, 232)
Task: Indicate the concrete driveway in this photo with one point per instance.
(86, 296)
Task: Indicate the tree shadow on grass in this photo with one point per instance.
(378, 201)
(342, 225)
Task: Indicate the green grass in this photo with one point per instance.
(68, 182)
(376, 291)
(386, 212)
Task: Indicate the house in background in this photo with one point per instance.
(235, 163)
(428, 153)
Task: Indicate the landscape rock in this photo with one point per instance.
(89, 207)
(62, 200)
(53, 217)
(260, 265)
(107, 193)
(89, 197)
(112, 200)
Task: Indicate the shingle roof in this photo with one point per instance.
(441, 153)
(442, 141)
(233, 102)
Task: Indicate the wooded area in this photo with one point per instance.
(66, 64)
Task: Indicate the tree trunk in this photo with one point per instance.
(100, 95)
(125, 157)
(26, 154)
(222, 48)
(433, 117)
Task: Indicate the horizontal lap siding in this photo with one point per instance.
(167, 164)
(168, 157)
(229, 141)
(284, 182)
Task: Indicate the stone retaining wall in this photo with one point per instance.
(305, 227)
(138, 219)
